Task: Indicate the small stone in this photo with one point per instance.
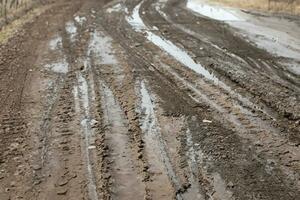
(36, 167)
(62, 191)
(91, 147)
(206, 121)
(62, 182)
(37, 182)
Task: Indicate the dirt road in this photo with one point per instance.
(150, 99)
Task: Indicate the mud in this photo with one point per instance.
(150, 99)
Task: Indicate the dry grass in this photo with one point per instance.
(8, 31)
(10, 8)
(279, 6)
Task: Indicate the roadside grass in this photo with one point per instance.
(278, 6)
(10, 8)
(11, 29)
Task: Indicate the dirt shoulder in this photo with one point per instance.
(268, 6)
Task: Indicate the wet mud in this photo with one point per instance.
(150, 99)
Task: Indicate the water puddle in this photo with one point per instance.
(193, 166)
(155, 145)
(55, 43)
(293, 67)
(276, 42)
(159, 6)
(71, 30)
(200, 162)
(100, 46)
(58, 67)
(181, 56)
(80, 20)
(101, 51)
(117, 8)
(76, 97)
(81, 96)
(220, 188)
(83, 88)
(126, 183)
(266, 33)
(213, 12)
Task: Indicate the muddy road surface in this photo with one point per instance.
(150, 99)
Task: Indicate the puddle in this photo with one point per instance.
(182, 57)
(115, 8)
(278, 36)
(159, 6)
(135, 20)
(100, 47)
(126, 183)
(81, 97)
(220, 188)
(213, 12)
(83, 88)
(277, 42)
(55, 43)
(194, 171)
(293, 67)
(58, 67)
(76, 96)
(197, 158)
(52, 89)
(71, 30)
(80, 20)
(155, 145)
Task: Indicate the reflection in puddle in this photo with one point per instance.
(295, 68)
(126, 182)
(55, 43)
(117, 8)
(266, 33)
(81, 96)
(221, 191)
(135, 20)
(194, 170)
(71, 30)
(181, 56)
(58, 67)
(155, 145)
(277, 42)
(83, 88)
(100, 46)
(213, 12)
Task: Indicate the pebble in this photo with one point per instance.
(36, 167)
(62, 182)
(206, 121)
(62, 191)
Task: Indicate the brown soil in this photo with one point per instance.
(91, 109)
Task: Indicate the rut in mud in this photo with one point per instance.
(150, 99)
